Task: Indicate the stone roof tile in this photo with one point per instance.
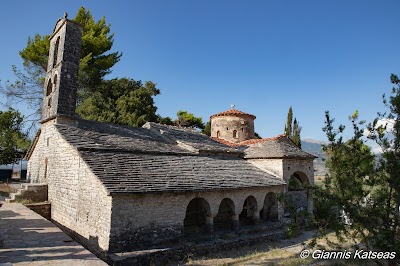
(144, 160)
(192, 138)
(146, 173)
(277, 147)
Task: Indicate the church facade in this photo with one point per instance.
(122, 188)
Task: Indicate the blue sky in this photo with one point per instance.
(263, 56)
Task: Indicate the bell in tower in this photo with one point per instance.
(61, 80)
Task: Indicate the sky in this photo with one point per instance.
(262, 56)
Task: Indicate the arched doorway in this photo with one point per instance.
(224, 218)
(297, 182)
(269, 211)
(196, 212)
(246, 217)
(297, 194)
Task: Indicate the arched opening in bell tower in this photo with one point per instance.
(55, 53)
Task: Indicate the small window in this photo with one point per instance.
(55, 82)
(49, 88)
(55, 52)
(235, 134)
(46, 161)
(218, 134)
(49, 102)
(227, 128)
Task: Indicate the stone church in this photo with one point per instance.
(122, 188)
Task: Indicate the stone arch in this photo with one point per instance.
(298, 197)
(218, 134)
(55, 82)
(269, 211)
(225, 217)
(298, 181)
(197, 212)
(247, 216)
(49, 88)
(55, 51)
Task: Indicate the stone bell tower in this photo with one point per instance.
(61, 80)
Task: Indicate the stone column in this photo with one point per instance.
(256, 217)
(210, 224)
(235, 221)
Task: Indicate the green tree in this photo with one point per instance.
(292, 128)
(13, 142)
(96, 62)
(165, 120)
(186, 119)
(207, 128)
(366, 189)
(121, 101)
(289, 120)
(257, 136)
(296, 133)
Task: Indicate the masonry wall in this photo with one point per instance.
(223, 127)
(285, 168)
(274, 166)
(78, 200)
(305, 168)
(149, 219)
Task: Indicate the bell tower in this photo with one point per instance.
(61, 80)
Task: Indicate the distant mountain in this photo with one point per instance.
(314, 147)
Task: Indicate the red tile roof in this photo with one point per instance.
(233, 112)
(249, 141)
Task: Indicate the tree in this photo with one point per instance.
(292, 128)
(13, 142)
(257, 136)
(296, 133)
(95, 63)
(364, 187)
(121, 101)
(186, 119)
(207, 129)
(288, 126)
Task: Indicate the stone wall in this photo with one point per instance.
(274, 166)
(43, 208)
(291, 166)
(78, 200)
(297, 199)
(150, 219)
(223, 127)
(285, 168)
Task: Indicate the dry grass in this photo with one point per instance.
(285, 253)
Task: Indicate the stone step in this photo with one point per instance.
(30, 192)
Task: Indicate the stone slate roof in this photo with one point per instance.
(146, 173)
(279, 147)
(144, 160)
(233, 112)
(189, 137)
(91, 135)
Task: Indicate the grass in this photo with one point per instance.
(284, 253)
